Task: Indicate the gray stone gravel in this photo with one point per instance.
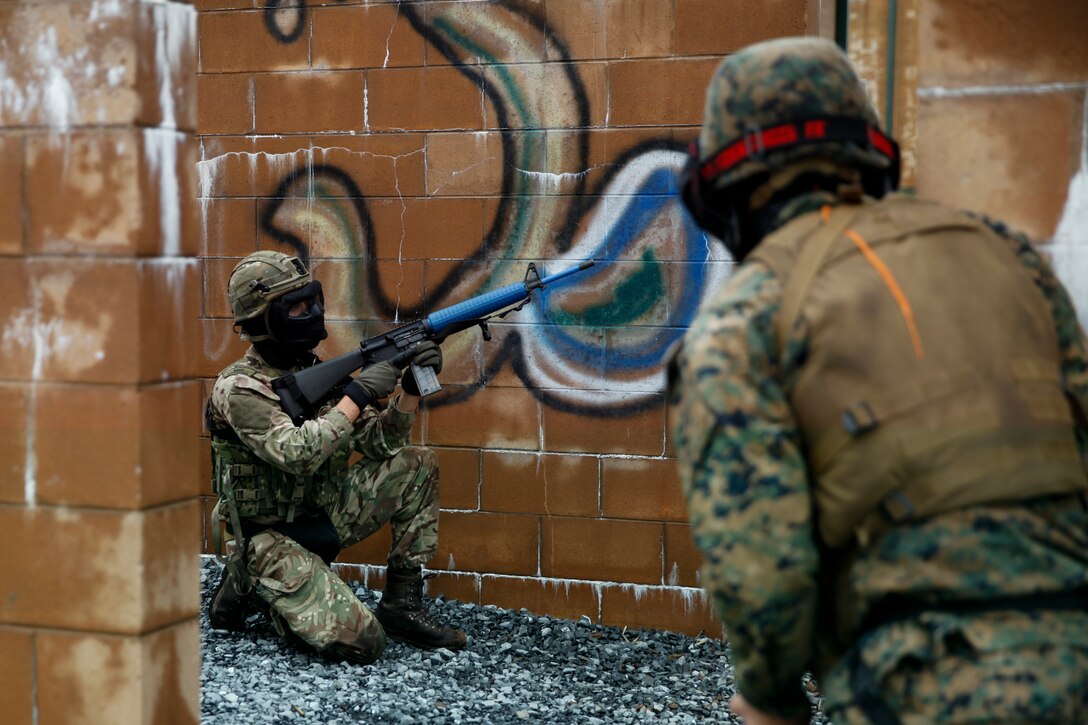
(518, 667)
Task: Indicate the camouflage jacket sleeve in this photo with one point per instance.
(1071, 336)
(747, 489)
(253, 410)
(381, 434)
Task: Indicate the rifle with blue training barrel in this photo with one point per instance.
(302, 392)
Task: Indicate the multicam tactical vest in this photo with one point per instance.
(932, 379)
(249, 487)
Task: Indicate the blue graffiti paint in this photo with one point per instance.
(651, 199)
(570, 337)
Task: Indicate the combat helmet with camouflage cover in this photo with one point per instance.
(256, 282)
(777, 104)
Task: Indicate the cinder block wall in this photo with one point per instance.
(1003, 120)
(99, 308)
(423, 152)
(991, 103)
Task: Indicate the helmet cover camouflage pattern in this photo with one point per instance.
(782, 81)
(262, 277)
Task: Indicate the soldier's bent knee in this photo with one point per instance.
(420, 457)
(363, 648)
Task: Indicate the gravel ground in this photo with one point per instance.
(517, 667)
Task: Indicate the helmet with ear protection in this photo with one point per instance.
(771, 105)
(260, 279)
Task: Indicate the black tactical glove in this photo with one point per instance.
(427, 355)
(376, 381)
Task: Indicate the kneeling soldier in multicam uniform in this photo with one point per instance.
(289, 495)
(879, 421)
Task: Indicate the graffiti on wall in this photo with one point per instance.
(593, 345)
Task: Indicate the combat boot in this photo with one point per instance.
(229, 607)
(406, 619)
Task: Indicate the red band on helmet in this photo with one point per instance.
(815, 129)
(880, 142)
(758, 141)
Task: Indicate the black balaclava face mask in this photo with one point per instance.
(294, 338)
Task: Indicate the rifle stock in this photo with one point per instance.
(301, 392)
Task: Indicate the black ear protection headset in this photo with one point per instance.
(716, 210)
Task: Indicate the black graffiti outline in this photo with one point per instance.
(511, 349)
(270, 9)
(581, 204)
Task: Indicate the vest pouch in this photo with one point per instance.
(323, 489)
(258, 488)
(946, 453)
(245, 496)
(858, 478)
(283, 492)
(252, 486)
(242, 488)
(954, 469)
(235, 478)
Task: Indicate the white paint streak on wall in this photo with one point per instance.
(690, 596)
(44, 93)
(48, 89)
(52, 334)
(177, 270)
(167, 53)
(970, 91)
(19, 334)
(1070, 245)
(103, 9)
(55, 92)
(65, 331)
(204, 201)
(161, 147)
(639, 590)
(551, 183)
(46, 338)
(209, 170)
(366, 106)
(388, 38)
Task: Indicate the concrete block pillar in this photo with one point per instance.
(99, 321)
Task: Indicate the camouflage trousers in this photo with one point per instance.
(1006, 667)
(305, 598)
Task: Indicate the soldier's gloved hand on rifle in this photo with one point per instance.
(373, 383)
(427, 355)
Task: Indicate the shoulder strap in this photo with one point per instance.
(807, 265)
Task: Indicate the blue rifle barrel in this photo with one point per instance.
(491, 302)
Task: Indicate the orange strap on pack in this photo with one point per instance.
(893, 287)
(810, 259)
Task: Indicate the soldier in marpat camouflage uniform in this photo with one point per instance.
(288, 493)
(879, 421)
